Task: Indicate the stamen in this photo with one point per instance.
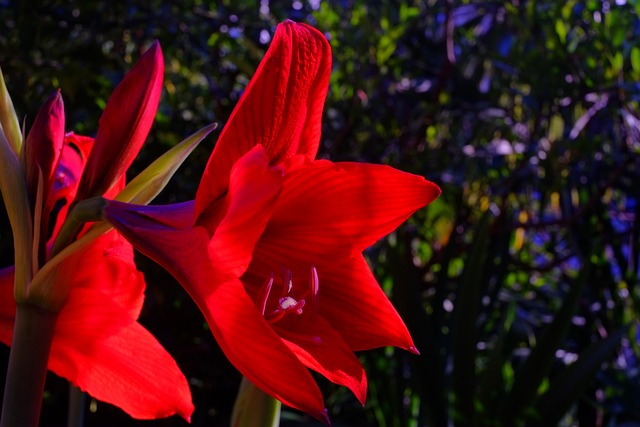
(314, 283)
(263, 296)
(287, 303)
(287, 283)
(274, 316)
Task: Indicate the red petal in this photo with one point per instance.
(329, 209)
(332, 357)
(108, 265)
(75, 152)
(281, 107)
(124, 124)
(105, 352)
(258, 353)
(7, 304)
(349, 297)
(244, 336)
(353, 303)
(252, 190)
(100, 347)
(244, 212)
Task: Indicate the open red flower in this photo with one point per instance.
(271, 249)
(98, 344)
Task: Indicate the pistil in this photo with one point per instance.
(288, 303)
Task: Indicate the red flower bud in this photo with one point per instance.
(43, 146)
(125, 124)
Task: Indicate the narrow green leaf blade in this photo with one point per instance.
(148, 184)
(8, 119)
(14, 193)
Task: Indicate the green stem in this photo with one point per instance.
(254, 408)
(85, 211)
(32, 336)
(75, 414)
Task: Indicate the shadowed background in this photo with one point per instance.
(519, 285)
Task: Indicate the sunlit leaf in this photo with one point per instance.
(148, 184)
(14, 193)
(8, 119)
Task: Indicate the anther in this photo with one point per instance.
(287, 303)
(287, 283)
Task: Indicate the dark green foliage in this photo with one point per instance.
(519, 285)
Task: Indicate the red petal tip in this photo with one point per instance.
(413, 350)
(155, 46)
(325, 417)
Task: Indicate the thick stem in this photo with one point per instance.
(32, 336)
(75, 414)
(254, 408)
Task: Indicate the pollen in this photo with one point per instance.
(287, 302)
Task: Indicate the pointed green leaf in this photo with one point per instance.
(146, 186)
(8, 119)
(14, 193)
(567, 388)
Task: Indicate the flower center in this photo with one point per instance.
(288, 302)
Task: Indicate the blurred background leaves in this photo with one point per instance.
(519, 285)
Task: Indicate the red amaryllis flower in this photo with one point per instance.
(98, 344)
(96, 292)
(271, 249)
